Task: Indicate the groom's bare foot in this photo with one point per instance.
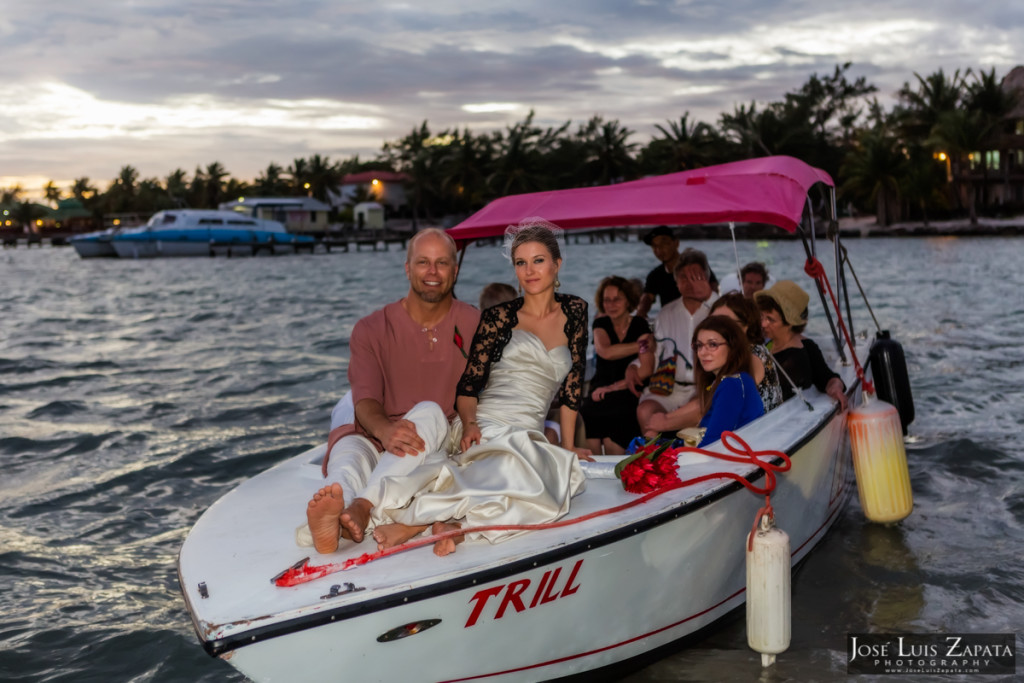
(355, 518)
(322, 516)
(446, 546)
(390, 535)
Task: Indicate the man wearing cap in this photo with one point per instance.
(674, 329)
(661, 282)
(784, 318)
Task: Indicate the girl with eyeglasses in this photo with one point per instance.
(727, 394)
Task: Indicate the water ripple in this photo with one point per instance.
(135, 394)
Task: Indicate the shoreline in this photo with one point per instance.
(849, 228)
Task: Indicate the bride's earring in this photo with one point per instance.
(557, 283)
(520, 289)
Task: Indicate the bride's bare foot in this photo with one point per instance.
(355, 518)
(322, 516)
(390, 535)
(446, 546)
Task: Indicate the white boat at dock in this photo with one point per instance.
(195, 232)
(97, 244)
(623, 575)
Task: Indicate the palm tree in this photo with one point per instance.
(82, 190)
(748, 129)
(236, 188)
(271, 182)
(214, 186)
(323, 177)
(10, 195)
(121, 195)
(520, 164)
(463, 170)
(935, 95)
(52, 192)
(197, 188)
(986, 96)
(176, 186)
(608, 156)
(962, 135)
(872, 171)
(299, 172)
(681, 146)
(413, 156)
(923, 180)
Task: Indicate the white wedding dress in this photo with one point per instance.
(514, 476)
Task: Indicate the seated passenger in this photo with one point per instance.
(726, 392)
(609, 413)
(753, 277)
(673, 330)
(745, 312)
(496, 293)
(784, 318)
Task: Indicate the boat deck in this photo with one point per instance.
(248, 537)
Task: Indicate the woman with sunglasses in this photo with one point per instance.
(727, 394)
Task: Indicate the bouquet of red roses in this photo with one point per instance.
(652, 467)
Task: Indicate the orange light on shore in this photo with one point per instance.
(942, 156)
(375, 182)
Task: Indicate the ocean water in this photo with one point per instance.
(134, 394)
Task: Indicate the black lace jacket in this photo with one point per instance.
(495, 331)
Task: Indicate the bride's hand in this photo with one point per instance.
(583, 453)
(470, 435)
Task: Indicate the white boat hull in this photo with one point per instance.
(548, 604)
(94, 245)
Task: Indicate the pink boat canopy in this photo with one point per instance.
(769, 190)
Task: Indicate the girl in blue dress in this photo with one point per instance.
(727, 393)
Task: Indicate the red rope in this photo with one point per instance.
(741, 452)
(814, 269)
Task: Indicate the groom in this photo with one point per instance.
(403, 356)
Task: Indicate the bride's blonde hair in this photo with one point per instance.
(533, 230)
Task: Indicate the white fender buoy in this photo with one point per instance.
(880, 462)
(768, 591)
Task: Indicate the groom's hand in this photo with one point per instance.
(400, 438)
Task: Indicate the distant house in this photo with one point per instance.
(69, 216)
(387, 188)
(996, 172)
(368, 216)
(298, 214)
(1007, 160)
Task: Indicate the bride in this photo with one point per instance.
(525, 352)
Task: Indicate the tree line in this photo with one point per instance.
(915, 160)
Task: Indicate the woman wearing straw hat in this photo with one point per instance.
(784, 317)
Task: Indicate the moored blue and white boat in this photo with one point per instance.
(95, 244)
(201, 232)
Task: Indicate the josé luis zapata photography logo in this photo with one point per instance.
(930, 653)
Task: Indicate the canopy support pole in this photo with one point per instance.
(809, 248)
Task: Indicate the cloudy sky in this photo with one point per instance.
(88, 86)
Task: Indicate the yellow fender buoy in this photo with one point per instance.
(768, 591)
(880, 462)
